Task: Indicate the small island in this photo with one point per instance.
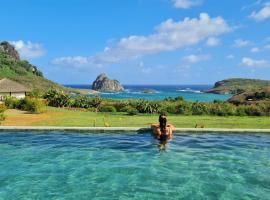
(104, 84)
(149, 91)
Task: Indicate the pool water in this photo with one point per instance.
(59, 165)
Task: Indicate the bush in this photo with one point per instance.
(122, 106)
(241, 110)
(57, 99)
(81, 102)
(131, 111)
(11, 102)
(171, 108)
(199, 109)
(149, 107)
(96, 102)
(2, 110)
(223, 109)
(183, 108)
(108, 108)
(254, 110)
(32, 105)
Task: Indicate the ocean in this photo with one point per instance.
(188, 92)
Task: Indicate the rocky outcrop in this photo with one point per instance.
(9, 49)
(104, 84)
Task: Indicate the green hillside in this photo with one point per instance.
(12, 67)
(239, 85)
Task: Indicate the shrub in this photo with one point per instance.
(183, 108)
(171, 108)
(32, 105)
(149, 107)
(199, 109)
(57, 99)
(223, 109)
(121, 106)
(96, 102)
(131, 111)
(254, 110)
(11, 102)
(81, 102)
(108, 108)
(2, 110)
(241, 110)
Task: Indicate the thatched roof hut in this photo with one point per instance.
(9, 86)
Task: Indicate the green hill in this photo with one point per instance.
(238, 85)
(12, 67)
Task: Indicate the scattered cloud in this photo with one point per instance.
(258, 2)
(230, 56)
(238, 43)
(262, 14)
(212, 41)
(192, 59)
(254, 63)
(28, 49)
(76, 61)
(254, 50)
(170, 35)
(185, 4)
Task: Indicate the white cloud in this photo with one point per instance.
(195, 58)
(241, 43)
(76, 61)
(254, 63)
(231, 56)
(254, 50)
(170, 35)
(28, 49)
(262, 14)
(185, 4)
(212, 41)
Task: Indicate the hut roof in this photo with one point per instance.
(7, 85)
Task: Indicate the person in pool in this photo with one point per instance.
(162, 131)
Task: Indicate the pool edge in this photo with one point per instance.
(124, 129)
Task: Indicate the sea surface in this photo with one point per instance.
(67, 166)
(188, 92)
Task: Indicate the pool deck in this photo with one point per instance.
(132, 129)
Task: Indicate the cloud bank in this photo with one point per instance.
(170, 35)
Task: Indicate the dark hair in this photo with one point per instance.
(162, 122)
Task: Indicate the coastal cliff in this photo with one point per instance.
(104, 84)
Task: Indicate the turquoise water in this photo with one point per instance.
(78, 166)
(188, 92)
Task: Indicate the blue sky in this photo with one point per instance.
(141, 41)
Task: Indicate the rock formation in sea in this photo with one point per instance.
(9, 49)
(104, 84)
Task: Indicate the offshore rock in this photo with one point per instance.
(104, 84)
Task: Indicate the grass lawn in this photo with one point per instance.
(65, 117)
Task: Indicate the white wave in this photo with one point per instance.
(190, 90)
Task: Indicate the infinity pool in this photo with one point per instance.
(59, 165)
